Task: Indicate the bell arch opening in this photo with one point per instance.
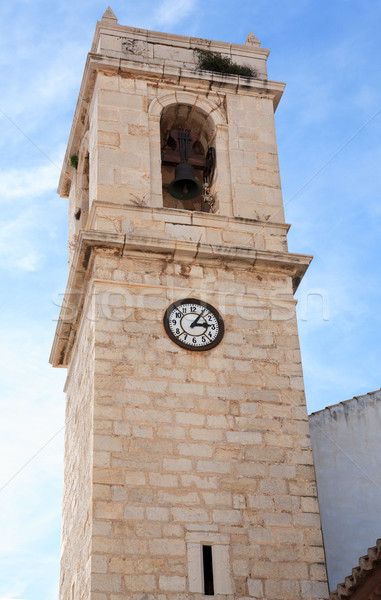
(186, 135)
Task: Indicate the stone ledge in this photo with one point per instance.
(180, 216)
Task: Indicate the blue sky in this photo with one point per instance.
(328, 128)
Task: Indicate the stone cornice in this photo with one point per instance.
(295, 265)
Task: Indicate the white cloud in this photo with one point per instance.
(169, 13)
(41, 71)
(33, 575)
(31, 404)
(27, 216)
(28, 183)
(29, 262)
(32, 407)
(16, 246)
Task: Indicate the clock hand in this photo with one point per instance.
(206, 325)
(195, 322)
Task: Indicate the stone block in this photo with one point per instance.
(283, 471)
(232, 517)
(108, 138)
(172, 584)
(99, 564)
(106, 582)
(117, 99)
(196, 450)
(273, 486)
(190, 515)
(213, 466)
(276, 520)
(310, 505)
(167, 547)
(177, 464)
(121, 565)
(282, 589)
(134, 513)
(318, 572)
(314, 589)
(135, 478)
(255, 587)
(108, 510)
(139, 583)
(217, 498)
(101, 459)
(108, 476)
(244, 437)
(195, 481)
(206, 435)
(156, 513)
(107, 114)
(178, 497)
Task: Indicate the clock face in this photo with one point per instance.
(193, 324)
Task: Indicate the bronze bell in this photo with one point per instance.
(184, 186)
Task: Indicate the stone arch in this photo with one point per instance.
(184, 110)
(207, 106)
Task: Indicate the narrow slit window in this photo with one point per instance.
(207, 562)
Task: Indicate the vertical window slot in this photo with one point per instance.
(207, 563)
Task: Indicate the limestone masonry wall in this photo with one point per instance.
(200, 447)
(77, 496)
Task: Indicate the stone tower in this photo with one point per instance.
(188, 466)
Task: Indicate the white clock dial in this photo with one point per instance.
(193, 324)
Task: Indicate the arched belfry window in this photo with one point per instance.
(186, 136)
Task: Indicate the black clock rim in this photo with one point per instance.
(212, 309)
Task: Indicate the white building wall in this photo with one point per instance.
(346, 442)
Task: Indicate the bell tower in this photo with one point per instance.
(188, 465)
